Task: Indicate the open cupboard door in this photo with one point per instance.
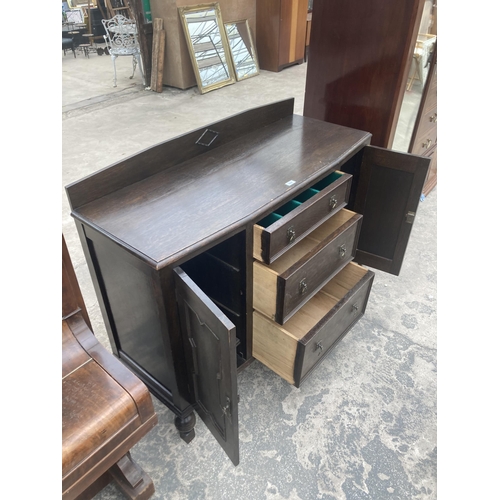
(388, 192)
(211, 357)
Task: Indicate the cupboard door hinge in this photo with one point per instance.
(410, 217)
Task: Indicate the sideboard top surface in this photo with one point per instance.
(196, 202)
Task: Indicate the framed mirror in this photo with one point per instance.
(208, 46)
(242, 49)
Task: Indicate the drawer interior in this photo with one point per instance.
(297, 252)
(325, 300)
(277, 346)
(220, 274)
(302, 197)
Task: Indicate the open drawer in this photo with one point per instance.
(282, 287)
(295, 349)
(291, 222)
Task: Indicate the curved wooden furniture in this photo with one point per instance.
(240, 241)
(106, 409)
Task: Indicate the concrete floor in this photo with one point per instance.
(364, 425)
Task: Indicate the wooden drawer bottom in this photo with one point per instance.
(295, 349)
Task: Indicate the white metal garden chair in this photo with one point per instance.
(121, 40)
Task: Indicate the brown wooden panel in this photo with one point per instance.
(425, 142)
(292, 32)
(212, 359)
(90, 383)
(298, 39)
(427, 112)
(425, 125)
(132, 305)
(72, 299)
(359, 56)
(172, 152)
(114, 368)
(268, 33)
(286, 10)
(281, 32)
(73, 355)
(431, 180)
(388, 195)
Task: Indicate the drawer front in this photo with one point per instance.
(312, 348)
(425, 142)
(293, 225)
(307, 276)
(431, 100)
(427, 122)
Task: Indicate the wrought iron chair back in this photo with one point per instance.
(122, 40)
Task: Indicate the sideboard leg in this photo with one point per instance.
(185, 426)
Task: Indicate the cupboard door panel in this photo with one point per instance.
(211, 340)
(389, 189)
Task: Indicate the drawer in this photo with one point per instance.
(427, 123)
(291, 222)
(296, 348)
(425, 142)
(431, 100)
(281, 288)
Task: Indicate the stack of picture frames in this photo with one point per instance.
(221, 53)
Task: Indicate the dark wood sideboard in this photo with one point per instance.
(242, 240)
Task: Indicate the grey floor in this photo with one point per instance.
(364, 425)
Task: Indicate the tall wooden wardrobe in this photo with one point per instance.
(362, 56)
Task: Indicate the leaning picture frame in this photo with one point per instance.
(208, 46)
(242, 48)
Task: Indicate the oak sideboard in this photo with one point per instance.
(245, 239)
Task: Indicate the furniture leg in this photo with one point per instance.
(140, 69)
(134, 64)
(185, 426)
(131, 479)
(113, 58)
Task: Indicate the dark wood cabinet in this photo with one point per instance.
(186, 240)
(363, 58)
(359, 58)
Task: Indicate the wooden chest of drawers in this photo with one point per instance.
(424, 137)
(205, 257)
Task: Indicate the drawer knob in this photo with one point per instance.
(333, 202)
(433, 118)
(342, 251)
(319, 346)
(290, 234)
(355, 307)
(427, 144)
(303, 287)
